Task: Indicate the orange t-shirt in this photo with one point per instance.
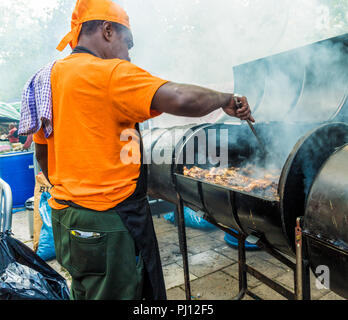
(94, 100)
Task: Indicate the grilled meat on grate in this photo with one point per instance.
(248, 179)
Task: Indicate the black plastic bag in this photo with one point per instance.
(25, 276)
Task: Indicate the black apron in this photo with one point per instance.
(136, 215)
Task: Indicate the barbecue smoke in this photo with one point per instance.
(257, 48)
(208, 42)
(292, 86)
(201, 41)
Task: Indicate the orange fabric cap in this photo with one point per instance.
(87, 10)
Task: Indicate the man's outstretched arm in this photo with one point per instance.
(195, 101)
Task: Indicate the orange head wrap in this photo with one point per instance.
(87, 10)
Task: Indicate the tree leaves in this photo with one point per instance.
(28, 40)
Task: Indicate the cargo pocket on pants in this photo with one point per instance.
(88, 255)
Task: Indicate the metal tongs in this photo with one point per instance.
(239, 105)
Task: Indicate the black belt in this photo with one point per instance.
(129, 200)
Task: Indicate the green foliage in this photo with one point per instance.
(28, 42)
(338, 11)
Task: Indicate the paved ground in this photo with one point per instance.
(212, 263)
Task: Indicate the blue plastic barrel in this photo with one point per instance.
(17, 169)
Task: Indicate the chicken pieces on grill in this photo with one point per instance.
(247, 179)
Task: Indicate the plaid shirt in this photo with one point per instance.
(36, 109)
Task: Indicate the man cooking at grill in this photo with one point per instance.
(101, 219)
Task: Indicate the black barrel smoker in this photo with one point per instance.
(326, 221)
(304, 93)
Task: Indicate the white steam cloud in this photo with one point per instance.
(200, 41)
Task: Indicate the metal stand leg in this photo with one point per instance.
(302, 273)
(298, 271)
(243, 283)
(183, 246)
(242, 266)
(301, 268)
(306, 289)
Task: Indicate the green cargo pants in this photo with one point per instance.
(99, 253)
